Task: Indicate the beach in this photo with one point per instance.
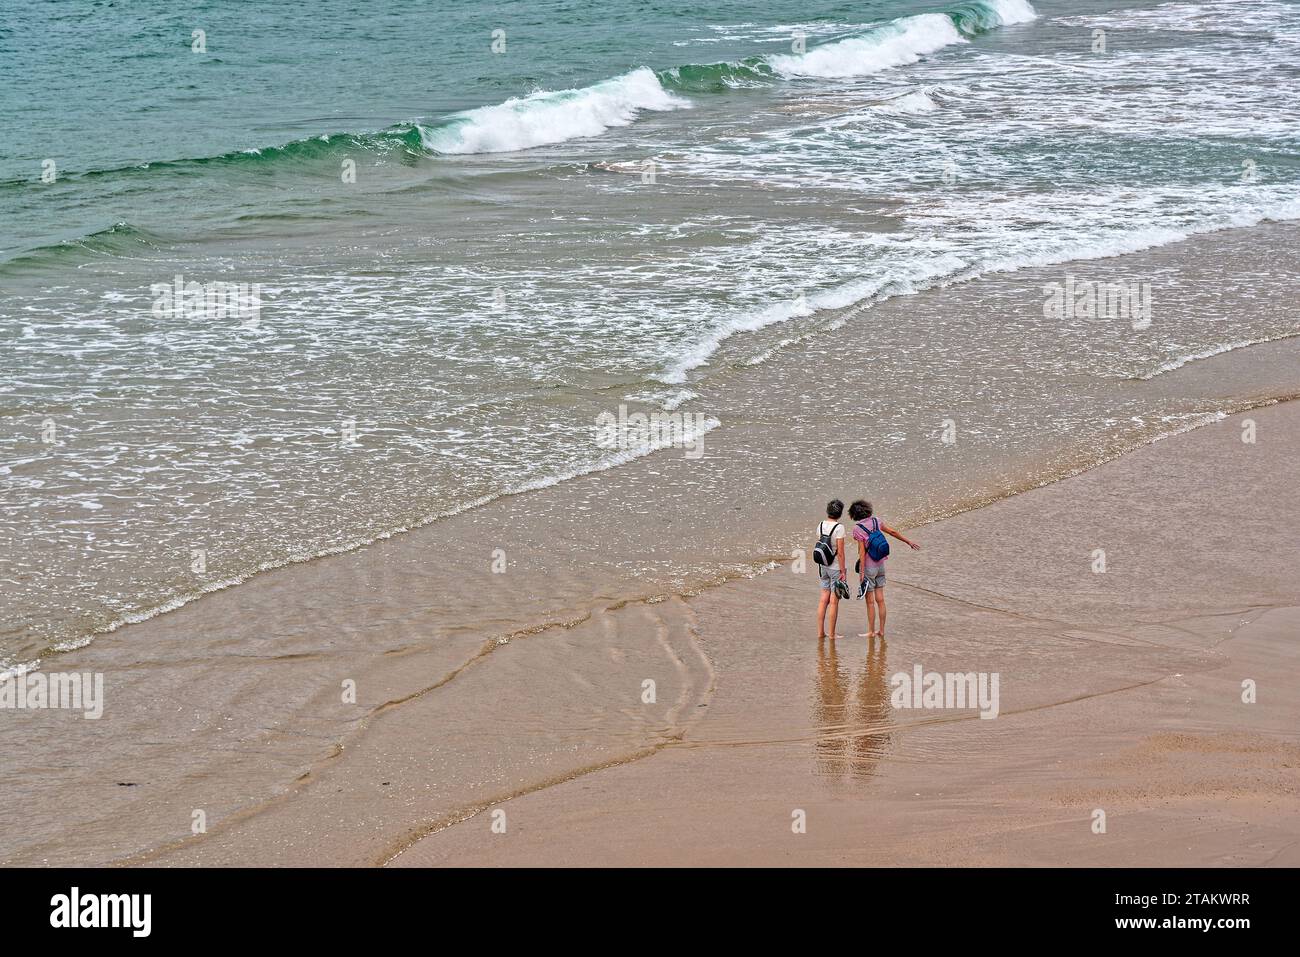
(425, 472)
(522, 689)
(1120, 691)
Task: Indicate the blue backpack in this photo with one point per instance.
(877, 544)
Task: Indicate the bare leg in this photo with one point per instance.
(871, 614)
(821, 614)
(835, 613)
(880, 602)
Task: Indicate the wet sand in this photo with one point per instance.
(474, 688)
(1121, 692)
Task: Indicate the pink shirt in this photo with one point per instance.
(861, 536)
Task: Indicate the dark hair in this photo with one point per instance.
(834, 508)
(859, 510)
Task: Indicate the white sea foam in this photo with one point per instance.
(1014, 11)
(908, 104)
(1237, 16)
(909, 279)
(1180, 361)
(551, 117)
(945, 268)
(896, 43)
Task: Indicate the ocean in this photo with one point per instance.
(279, 282)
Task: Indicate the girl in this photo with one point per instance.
(872, 570)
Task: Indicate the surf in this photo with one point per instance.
(121, 240)
(545, 118)
(548, 117)
(902, 41)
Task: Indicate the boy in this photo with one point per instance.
(873, 570)
(833, 532)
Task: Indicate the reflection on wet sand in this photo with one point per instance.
(829, 712)
(872, 712)
(852, 735)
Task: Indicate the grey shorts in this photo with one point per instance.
(830, 574)
(871, 582)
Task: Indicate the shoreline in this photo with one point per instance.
(252, 673)
(863, 310)
(1156, 737)
(756, 563)
(423, 844)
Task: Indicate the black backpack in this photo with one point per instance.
(824, 550)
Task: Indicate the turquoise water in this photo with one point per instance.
(149, 132)
(463, 257)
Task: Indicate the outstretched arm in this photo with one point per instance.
(899, 535)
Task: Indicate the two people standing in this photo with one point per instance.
(873, 551)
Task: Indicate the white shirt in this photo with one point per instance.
(838, 535)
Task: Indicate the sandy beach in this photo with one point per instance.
(376, 707)
(1120, 691)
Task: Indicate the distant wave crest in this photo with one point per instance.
(902, 41)
(118, 240)
(544, 118)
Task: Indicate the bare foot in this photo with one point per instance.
(821, 637)
(833, 637)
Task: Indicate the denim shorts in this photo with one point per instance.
(871, 582)
(830, 574)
